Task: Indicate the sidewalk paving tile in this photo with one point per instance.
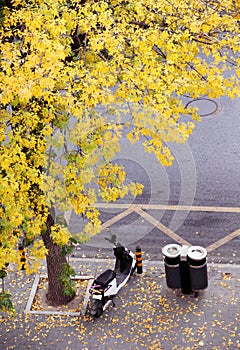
(147, 315)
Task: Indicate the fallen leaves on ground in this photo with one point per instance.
(146, 315)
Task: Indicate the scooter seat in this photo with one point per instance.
(105, 278)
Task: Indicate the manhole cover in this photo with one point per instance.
(205, 106)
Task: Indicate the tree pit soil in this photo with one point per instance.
(40, 301)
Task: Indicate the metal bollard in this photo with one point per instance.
(139, 259)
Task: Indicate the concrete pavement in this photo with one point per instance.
(147, 314)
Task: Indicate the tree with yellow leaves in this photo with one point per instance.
(71, 74)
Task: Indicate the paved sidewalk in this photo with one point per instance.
(147, 315)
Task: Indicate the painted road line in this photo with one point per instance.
(160, 226)
(111, 205)
(139, 209)
(192, 208)
(118, 217)
(223, 241)
(67, 215)
(170, 207)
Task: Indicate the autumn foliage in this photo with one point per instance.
(73, 76)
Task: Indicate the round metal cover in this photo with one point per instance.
(197, 253)
(205, 106)
(172, 250)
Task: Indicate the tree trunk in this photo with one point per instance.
(55, 260)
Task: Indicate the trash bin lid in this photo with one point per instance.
(172, 250)
(197, 253)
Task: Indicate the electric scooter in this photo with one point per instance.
(106, 286)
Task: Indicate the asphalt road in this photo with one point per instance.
(205, 173)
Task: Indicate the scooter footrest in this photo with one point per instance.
(105, 278)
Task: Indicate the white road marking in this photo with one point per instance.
(223, 241)
(117, 217)
(139, 209)
(170, 207)
(161, 227)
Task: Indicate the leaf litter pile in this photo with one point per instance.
(146, 316)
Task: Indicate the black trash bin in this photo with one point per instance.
(197, 260)
(171, 253)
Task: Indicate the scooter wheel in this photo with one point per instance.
(97, 308)
(133, 269)
(99, 312)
